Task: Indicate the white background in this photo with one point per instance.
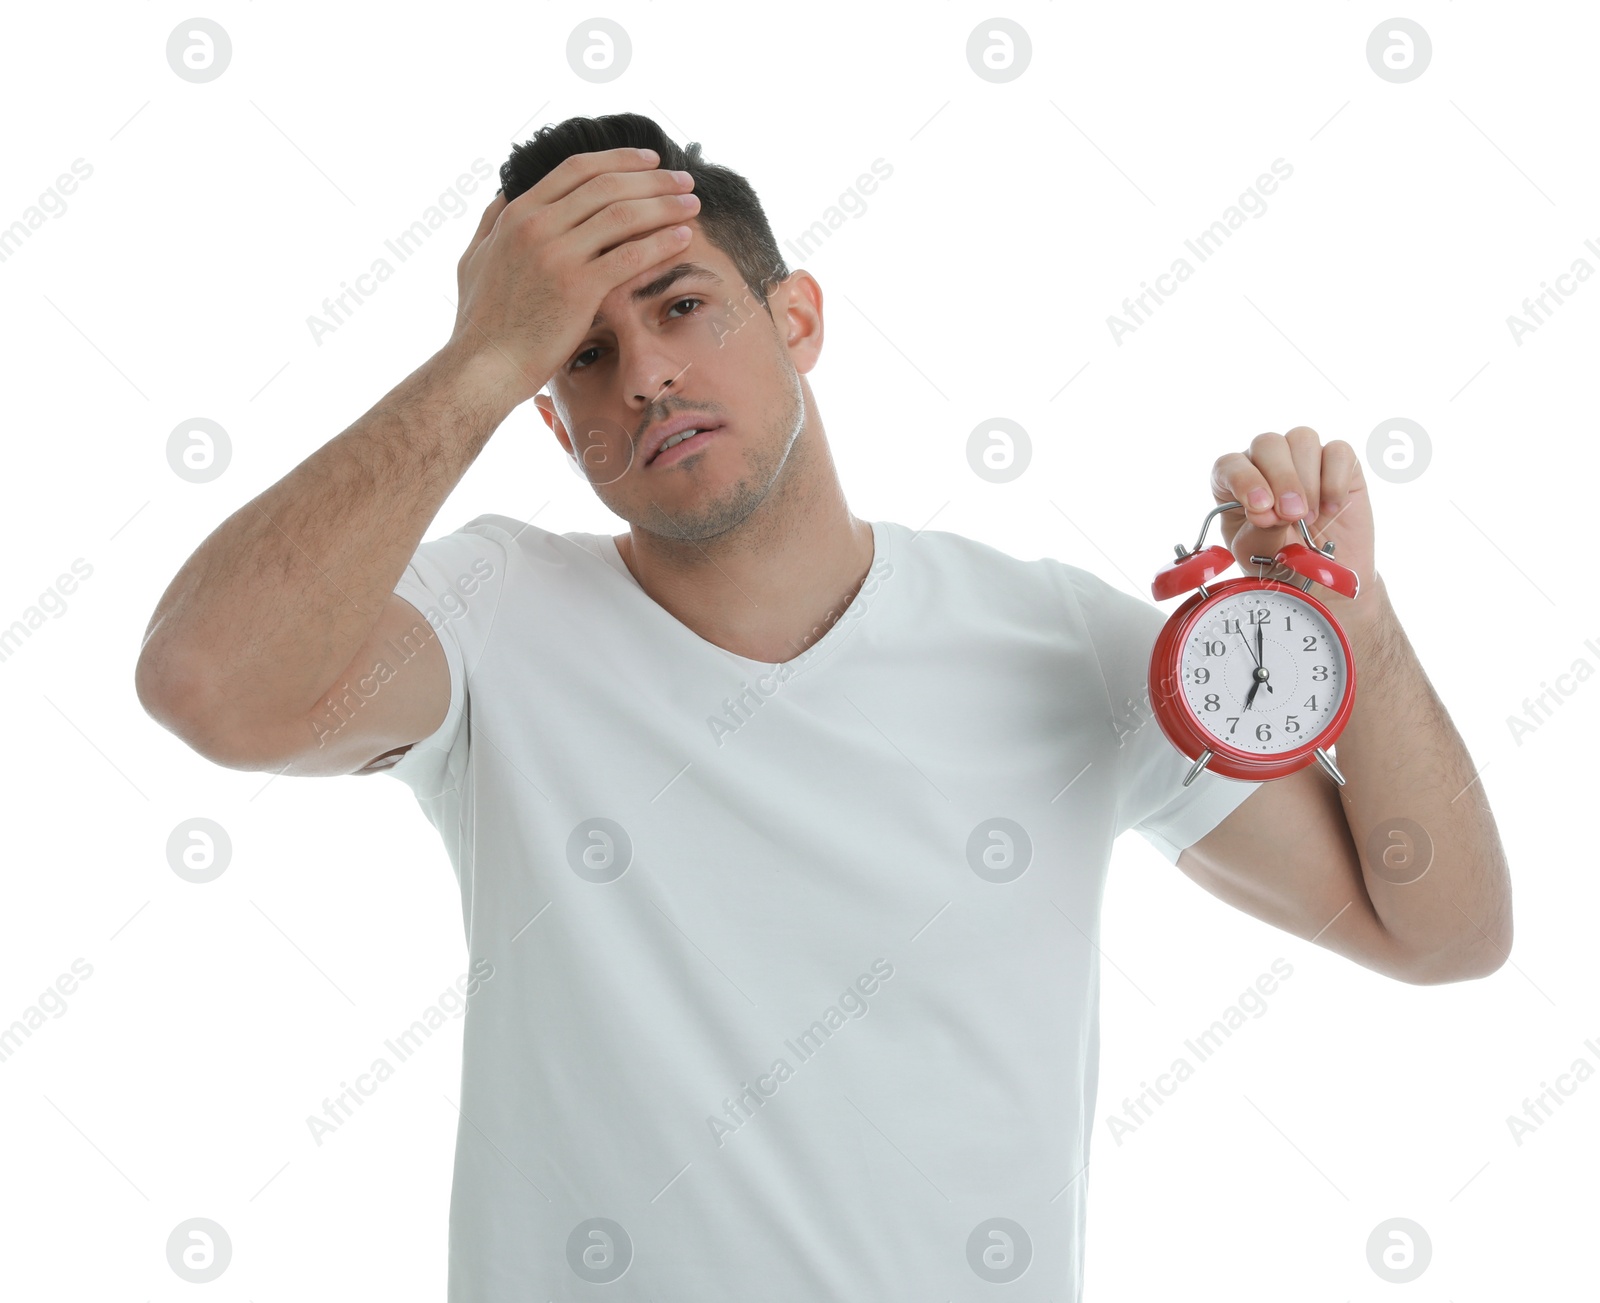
(976, 282)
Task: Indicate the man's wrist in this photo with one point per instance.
(1364, 613)
(484, 383)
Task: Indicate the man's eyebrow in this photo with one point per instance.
(664, 282)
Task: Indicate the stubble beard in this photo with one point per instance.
(774, 453)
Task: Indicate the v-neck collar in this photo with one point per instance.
(836, 633)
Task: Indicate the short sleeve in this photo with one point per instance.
(1152, 799)
(455, 582)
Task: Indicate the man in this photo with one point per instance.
(781, 834)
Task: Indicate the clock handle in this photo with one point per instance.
(1193, 568)
(1205, 525)
(1233, 506)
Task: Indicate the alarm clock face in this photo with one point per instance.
(1263, 671)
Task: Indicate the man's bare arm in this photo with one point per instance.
(1402, 867)
(291, 595)
(1330, 863)
(280, 598)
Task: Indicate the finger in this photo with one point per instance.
(1341, 475)
(491, 214)
(617, 209)
(577, 170)
(1235, 478)
(1305, 447)
(1275, 461)
(655, 247)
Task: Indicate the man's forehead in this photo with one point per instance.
(657, 285)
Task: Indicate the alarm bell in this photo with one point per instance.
(1196, 567)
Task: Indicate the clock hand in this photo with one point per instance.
(1247, 646)
(1251, 695)
(1259, 653)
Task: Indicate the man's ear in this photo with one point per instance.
(547, 409)
(798, 299)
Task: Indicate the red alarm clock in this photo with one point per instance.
(1253, 677)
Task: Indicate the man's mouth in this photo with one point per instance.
(683, 444)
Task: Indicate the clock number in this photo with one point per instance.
(1291, 723)
(1260, 616)
(1320, 672)
(1286, 623)
(1311, 642)
(1233, 722)
(1211, 701)
(1263, 736)
(1202, 675)
(1311, 704)
(1230, 626)
(1216, 649)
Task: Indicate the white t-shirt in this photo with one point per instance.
(793, 986)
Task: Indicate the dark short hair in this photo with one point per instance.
(730, 215)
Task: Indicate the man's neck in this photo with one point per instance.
(769, 589)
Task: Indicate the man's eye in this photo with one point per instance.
(578, 363)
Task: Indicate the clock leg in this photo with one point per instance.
(1194, 771)
(1327, 763)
